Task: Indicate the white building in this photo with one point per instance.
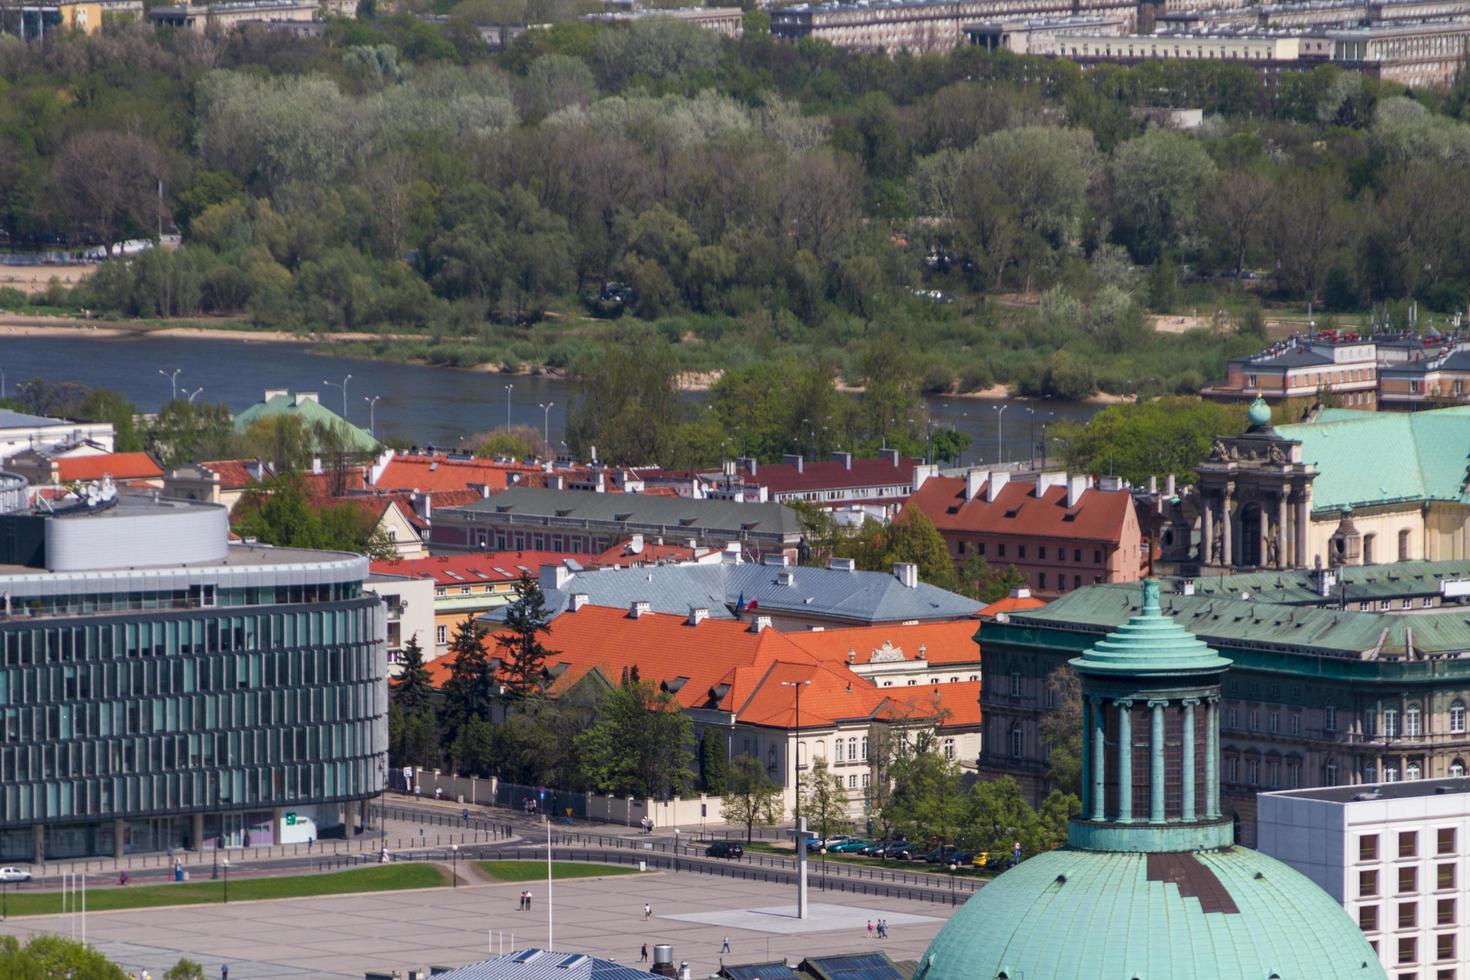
(19, 432)
(1394, 854)
(410, 604)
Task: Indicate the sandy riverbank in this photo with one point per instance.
(23, 325)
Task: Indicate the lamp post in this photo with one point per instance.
(1000, 418)
(676, 850)
(194, 394)
(545, 424)
(454, 850)
(214, 871)
(372, 414)
(227, 880)
(796, 760)
(953, 867)
(343, 386)
(824, 868)
(507, 406)
(173, 380)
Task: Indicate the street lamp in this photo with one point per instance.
(227, 880)
(676, 850)
(953, 867)
(454, 849)
(507, 406)
(546, 424)
(372, 414)
(173, 379)
(343, 386)
(194, 394)
(797, 760)
(1000, 418)
(823, 885)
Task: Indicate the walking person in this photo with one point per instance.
(643, 954)
(528, 899)
(870, 928)
(725, 946)
(647, 911)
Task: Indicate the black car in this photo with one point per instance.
(899, 851)
(940, 855)
(724, 849)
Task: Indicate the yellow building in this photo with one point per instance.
(33, 21)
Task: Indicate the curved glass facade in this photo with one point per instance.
(137, 712)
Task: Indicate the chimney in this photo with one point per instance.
(556, 482)
(842, 564)
(787, 578)
(778, 560)
(760, 623)
(663, 961)
(316, 465)
(731, 554)
(974, 480)
(579, 599)
(889, 454)
(1046, 481)
(750, 464)
(697, 615)
(1169, 486)
(255, 469)
(794, 459)
(555, 576)
(998, 479)
(844, 458)
(302, 397)
(1076, 487)
(851, 656)
(922, 473)
(276, 393)
(1153, 485)
(907, 573)
(635, 545)
(423, 504)
(637, 609)
(592, 454)
(1021, 593)
(1111, 483)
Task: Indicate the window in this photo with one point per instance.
(1296, 723)
(1015, 683)
(837, 751)
(1020, 551)
(1076, 581)
(1000, 550)
(1273, 773)
(1232, 717)
(1412, 720)
(1409, 844)
(1294, 774)
(1097, 557)
(1370, 773)
(1367, 884)
(1370, 722)
(1390, 722)
(1457, 768)
(1444, 876)
(1232, 772)
(1444, 946)
(1444, 912)
(441, 635)
(1368, 918)
(1255, 719)
(949, 748)
(1457, 716)
(866, 779)
(1253, 771)
(1412, 771)
(1018, 741)
(1041, 552)
(1329, 774)
(1408, 949)
(1273, 722)
(1329, 718)
(1408, 880)
(1408, 915)
(1444, 840)
(1443, 974)
(852, 749)
(1077, 555)
(852, 781)
(1041, 580)
(1368, 847)
(865, 748)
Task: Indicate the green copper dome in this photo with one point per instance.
(1259, 414)
(1232, 913)
(1149, 645)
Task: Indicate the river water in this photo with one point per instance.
(416, 403)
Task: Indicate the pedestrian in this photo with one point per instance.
(224, 971)
(870, 928)
(643, 954)
(528, 900)
(309, 841)
(647, 911)
(725, 946)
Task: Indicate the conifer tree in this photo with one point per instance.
(520, 644)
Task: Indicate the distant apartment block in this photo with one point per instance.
(918, 26)
(856, 488)
(20, 432)
(724, 21)
(1394, 855)
(226, 16)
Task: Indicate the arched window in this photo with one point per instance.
(1412, 771)
(1390, 722)
(1413, 717)
(1018, 741)
(1457, 768)
(1457, 716)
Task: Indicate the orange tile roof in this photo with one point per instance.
(958, 703)
(943, 643)
(471, 569)
(1010, 603)
(621, 554)
(431, 473)
(1099, 515)
(234, 474)
(119, 466)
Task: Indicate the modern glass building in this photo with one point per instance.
(162, 687)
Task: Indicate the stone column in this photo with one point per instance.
(119, 836)
(1187, 769)
(1207, 531)
(278, 824)
(1281, 561)
(196, 832)
(1227, 531)
(349, 819)
(38, 843)
(1303, 524)
(1212, 758)
(1099, 759)
(1156, 763)
(1086, 756)
(1125, 761)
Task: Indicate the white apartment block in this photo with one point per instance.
(1396, 855)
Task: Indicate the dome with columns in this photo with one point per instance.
(1150, 885)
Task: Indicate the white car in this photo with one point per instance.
(14, 874)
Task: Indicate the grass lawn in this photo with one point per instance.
(536, 870)
(391, 877)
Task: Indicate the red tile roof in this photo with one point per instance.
(489, 566)
(119, 466)
(1099, 515)
(832, 474)
(622, 555)
(1010, 603)
(943, 643)
(321, 486)
(234, 474)
(431, 473)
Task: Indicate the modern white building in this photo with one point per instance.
(1394, 854)
(19, 432)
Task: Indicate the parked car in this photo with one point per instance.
(962, 859)
(14, 874)
(852, 845)
(900, 851)
(875, 847)
(940, 854)
(724, 849)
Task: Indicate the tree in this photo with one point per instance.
(1135, 441)
(107, 183)
(1235, 213)
(980, 580)
(52, 956)
(279, 511)
(751, 796)
(640, 743)
(517, 442)
(1061, 731)
(714, 763)
(413, 739)
(412, 690)
(928, 799)
(823, 801)
(628, 402)
(526, 620)
(185, 969)
(999, 816)
(1158, 179)
(470, 690)
(184, 432)
(947, 445)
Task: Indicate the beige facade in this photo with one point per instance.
(1420, 55)
(227, 16)
(918, 26)
(1187, 47)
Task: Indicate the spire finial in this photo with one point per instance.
(1151, 597)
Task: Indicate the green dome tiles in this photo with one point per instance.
(1259, 414)
(1150, 644)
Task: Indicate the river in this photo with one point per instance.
(416, 403)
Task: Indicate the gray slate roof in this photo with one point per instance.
(540, 964)
(1356, 583)
(859, 597)
(20, 420)
(673, 513)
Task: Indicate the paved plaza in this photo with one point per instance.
(344, 936)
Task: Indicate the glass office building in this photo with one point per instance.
(160, 687)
